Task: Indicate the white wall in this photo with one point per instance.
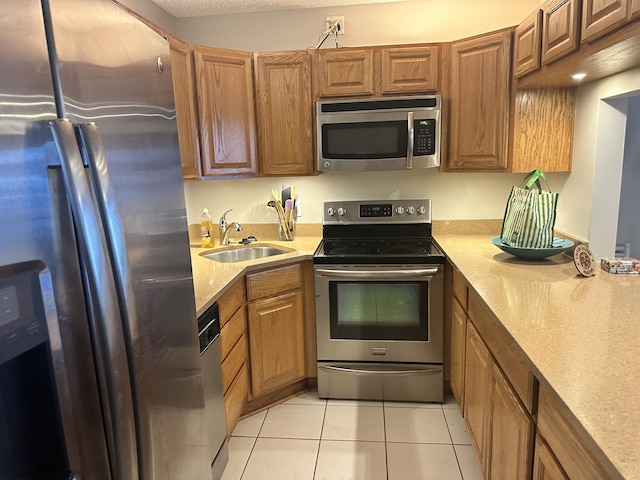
(378, 24)
(590, 198)
(628, 218)
(153, 13)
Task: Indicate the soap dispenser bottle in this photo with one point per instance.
(206, 229)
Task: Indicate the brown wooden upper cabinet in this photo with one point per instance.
(408, 70)
(376, 71)
(560, 29)
(479, 101)
(226, 112)
(182, 72)
(343, 72)
(285, 113)
(526, 51)
(602, 16)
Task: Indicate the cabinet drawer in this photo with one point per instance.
(574, 457)
(273, 282)
(236, 398)
(231, 300)
(234, 362)
(502, 348)
(232, 331)
(460, 289)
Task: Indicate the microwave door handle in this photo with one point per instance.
(410, 140)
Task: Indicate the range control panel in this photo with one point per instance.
(376, 211)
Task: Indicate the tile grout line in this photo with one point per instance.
(255, 441)
(324, 417)
(386, 452)
(455, 452)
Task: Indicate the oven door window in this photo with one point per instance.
(365, 140)
(379, 310)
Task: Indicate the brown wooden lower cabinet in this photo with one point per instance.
(477, 391)
(545, 464)
(235, 398)
(457, 350)
(518, 427)
(510, 433)
(573, 455)
(276, 342)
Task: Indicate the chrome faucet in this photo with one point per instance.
(225, 229)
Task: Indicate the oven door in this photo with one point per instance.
(379, 313)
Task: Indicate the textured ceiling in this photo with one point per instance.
(196, 8)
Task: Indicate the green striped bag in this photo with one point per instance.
(530, 214)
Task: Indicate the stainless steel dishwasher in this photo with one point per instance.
(209, 335)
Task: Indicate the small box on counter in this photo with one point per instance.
(620, 265)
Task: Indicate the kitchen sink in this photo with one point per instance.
(244, 253)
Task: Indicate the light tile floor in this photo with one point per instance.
(307, 438)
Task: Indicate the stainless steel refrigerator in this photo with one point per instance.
(100, 375)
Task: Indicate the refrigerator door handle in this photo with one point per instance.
(106, 325)
(94, 156)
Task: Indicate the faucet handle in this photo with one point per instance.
(223, 219)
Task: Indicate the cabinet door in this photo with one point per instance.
(545, 465)
(634, 9)
(479, 103)
(526, 53)
(285, 113)
(602, 16)
(276, 342)
(409, 70)
(477, 391)
(560, 29)
(542, 134)
(343, 72)
(511, 438)
(227, 115)
(186, 114)
(457, 354)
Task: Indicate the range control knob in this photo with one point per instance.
(400, 210)
(421, 209)
(341, 211)
(330, 211)
(411, 210)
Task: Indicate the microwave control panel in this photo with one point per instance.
(424, 137)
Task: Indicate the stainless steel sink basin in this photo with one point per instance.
(244, 253)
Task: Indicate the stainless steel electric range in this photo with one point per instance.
(379, 302)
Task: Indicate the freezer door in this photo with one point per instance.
(116, 73)
(36, 225)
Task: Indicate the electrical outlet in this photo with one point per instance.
(331, 21)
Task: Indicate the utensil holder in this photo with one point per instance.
(287, 226)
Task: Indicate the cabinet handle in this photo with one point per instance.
(557, 6)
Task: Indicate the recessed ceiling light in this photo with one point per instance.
(578, 76)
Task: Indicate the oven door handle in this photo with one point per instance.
(359, 371)
(377, 275)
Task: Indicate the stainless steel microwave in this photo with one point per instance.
(361, 135)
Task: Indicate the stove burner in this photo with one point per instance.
(402, 250)
(350, 250)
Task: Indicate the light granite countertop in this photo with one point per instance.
(580, 335)
(211, 279)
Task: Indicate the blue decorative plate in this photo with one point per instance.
(559, 245)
